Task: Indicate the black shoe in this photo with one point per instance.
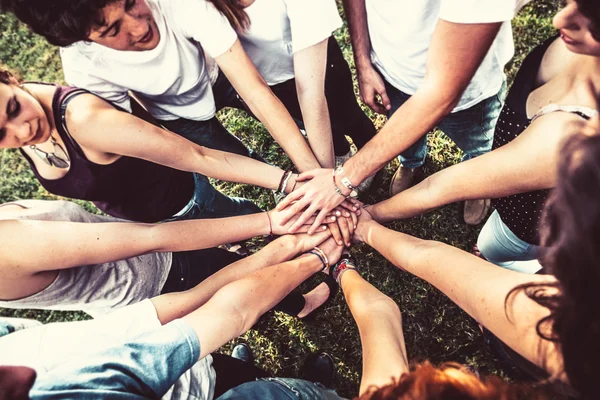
(320, 368)
(242, 352)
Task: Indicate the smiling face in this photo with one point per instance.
(23, 121)
(128, 25)
(575, 30)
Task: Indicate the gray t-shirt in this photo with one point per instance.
(95, 289)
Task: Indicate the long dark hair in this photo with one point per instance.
(571, 239)
(234, 12)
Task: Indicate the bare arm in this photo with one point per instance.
(105, 134)
(452, 61)
(309, 68)
(251, 86)
(237, 306)
(475, 285)
(380, 325)
(369, 81)
(61, 245)
(527, 163)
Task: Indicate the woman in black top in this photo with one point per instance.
(554, 92)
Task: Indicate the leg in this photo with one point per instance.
(280, 388)
(473, 129)
(211, 134)
(414, 156)
(231, 372)
(347, 118)
(499, 245)
(189, 268)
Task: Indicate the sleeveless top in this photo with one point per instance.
(99, 288)
(129, 188)
(522, 212)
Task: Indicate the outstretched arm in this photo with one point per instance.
(527, 163)
(251, 86)
(309, 68)
(105, 133)
(237, 306)
(380, 326)
(451, 64)
(475, 285)
(96, 243)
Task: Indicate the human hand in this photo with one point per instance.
(304, 242)
(342, 229)
(332, 250)
(365, 220)
(281, 221)
(371, 84)
(317, 194)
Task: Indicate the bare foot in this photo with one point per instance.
(314, 299)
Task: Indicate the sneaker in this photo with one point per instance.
(319, 368)
(475, 211)
(242, 352)
(402, 180)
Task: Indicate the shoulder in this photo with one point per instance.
(84, 109)
(477, 11)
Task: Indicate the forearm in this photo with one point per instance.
(175, 305)
(380, 326)
(236, 307)
(356, 15)
(206, 233)
(415, 118)
(475, 285)
(315, 113)
(272, 113)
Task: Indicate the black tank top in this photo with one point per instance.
(521, 212)
(130, 188)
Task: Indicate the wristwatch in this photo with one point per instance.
(346, 182)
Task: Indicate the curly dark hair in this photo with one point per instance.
(571, 237)
(61, 22)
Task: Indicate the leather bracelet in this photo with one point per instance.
(270, 224)
(337, 189)
(285, 182)
(282, 179)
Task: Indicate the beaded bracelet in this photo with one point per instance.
(342, 266)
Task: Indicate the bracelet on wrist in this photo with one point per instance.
(345, 181)
(270, 224)
(318, 256)
(337, 188)
(322, 256)
(284, 177)
(345, 264)
(285, 182)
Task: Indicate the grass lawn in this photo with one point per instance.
(434, 327)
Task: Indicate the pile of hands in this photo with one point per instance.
(334, 233)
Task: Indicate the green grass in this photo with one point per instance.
(434, 327)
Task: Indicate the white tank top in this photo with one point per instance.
(98, 288)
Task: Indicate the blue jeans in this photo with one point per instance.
(472, 129)
(280, 389)
(208, 202)
(499, 245)
(211, 133)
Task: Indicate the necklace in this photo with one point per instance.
(59, 158)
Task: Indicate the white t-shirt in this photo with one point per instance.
(401, 31)
(280, 28)
(43, 348)
(173, 80)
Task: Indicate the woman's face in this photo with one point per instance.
(23, 121)
(575, 30)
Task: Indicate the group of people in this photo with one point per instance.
(136, 134)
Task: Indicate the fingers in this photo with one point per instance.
(354, 219)
(344, 228)
(385, 100)
(336, 233)
(351, 204)
(289, 199)
(305, 228)
(319, 220)
(305, 176)
(306, 215)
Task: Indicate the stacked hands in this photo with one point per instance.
(331, 231)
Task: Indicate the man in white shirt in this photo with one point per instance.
(431, 63)
(166, 52)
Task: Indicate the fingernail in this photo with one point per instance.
(346, 214)
(323, 227)
(339, 242)
(333, 218)
(338, 213)
(354, 226)
(355, 208)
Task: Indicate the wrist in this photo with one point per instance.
(362, 61)
(364, 229)
(311, 261)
